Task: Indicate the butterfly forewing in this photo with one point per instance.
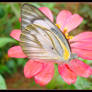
(40, 37)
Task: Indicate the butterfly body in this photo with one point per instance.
(40, 38)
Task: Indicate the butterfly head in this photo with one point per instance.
(72, 56)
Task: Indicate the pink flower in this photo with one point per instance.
(80, 44)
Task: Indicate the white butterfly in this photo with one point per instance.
(42, 39)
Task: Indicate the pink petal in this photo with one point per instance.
(82, 45)
(62, 17)
(19, 19)
(16, 52)
(84, 36)
(15, 34)
(47, 12)
(85, 54)
(46, 75)
(32, 68)
(73, 21)
(80, 68)
(67, 74)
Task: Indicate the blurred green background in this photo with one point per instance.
(11, 69)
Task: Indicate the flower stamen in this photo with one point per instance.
(65, 32)
(58, 26)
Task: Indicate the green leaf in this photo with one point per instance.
(2, 83)
(5, 40)
(86, 61)
(84, 9)
(4, 68)
(12, 65)
(2, 12)
(82, 83)
(21, 61)
(36, 5)
(15, 10)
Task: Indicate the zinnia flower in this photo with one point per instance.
(80, 44)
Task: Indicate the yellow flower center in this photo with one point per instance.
(66, 52)
(58, 26)
(65, 32)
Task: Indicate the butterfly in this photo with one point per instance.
(41, 38)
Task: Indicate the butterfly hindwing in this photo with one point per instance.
(37, 42)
